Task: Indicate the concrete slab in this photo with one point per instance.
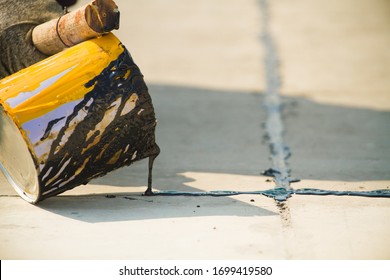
(334, 52)
(202, 61)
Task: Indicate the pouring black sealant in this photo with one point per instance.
(112, 134)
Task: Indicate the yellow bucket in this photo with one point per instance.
(72, 117)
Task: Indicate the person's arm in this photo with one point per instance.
(17, 19)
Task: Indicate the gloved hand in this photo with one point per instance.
(17, 19)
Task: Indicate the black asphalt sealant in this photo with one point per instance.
(279, 193)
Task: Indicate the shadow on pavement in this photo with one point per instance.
(203, 130)
(337, 143)
(214, 131)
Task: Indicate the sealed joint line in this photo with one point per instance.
(273, 105)
(375, 193)
(279, 194)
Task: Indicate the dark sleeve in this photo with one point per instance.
(17, 50)
(17, 19)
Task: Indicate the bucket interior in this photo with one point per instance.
(16, 161)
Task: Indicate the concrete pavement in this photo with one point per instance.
(204, 64)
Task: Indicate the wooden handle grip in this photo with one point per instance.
(92, 20)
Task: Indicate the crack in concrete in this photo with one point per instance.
(274, 127)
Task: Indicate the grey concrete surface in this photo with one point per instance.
(203, 63)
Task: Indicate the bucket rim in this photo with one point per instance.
(16, 161)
